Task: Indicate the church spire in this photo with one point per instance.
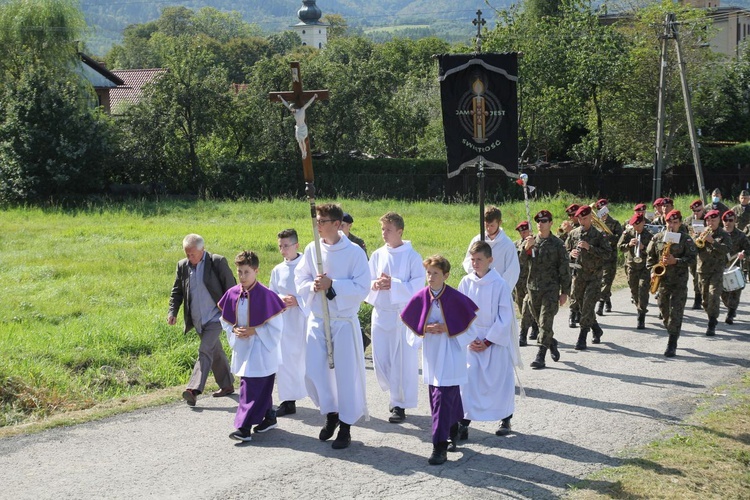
(309, 13)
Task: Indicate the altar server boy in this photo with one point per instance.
(339, 392)
(291, 377)
(439, 317)
(251, 318)
(396, 274)
(489, 394)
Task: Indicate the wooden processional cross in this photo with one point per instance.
(297, 101)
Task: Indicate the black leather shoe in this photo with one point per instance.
(607, 306)
(439, 454)
(332, 421)
(398, 415)
(522, 342)
(343, 439)
(286, 408)
(504, 428)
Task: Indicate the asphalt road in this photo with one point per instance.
(579, 415)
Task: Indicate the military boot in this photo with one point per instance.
(697, 302)
(671, 351)
(540, 355)
(600, 308)
(711, 331)
(641, 321)
(554, 351)
(607, 306)
(522, 337)
(597, 333)
(730, 316)
(578, 316)
(572, 320)
(581, 344)
(534, 331)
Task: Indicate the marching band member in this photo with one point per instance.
(633, 244)
(590, 249)
(672, 287)
(520, 292)
(697, 219)
(714, 245)
(610, 264)
(565, 228)
(740, 246)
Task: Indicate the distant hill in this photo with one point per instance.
(447, 19)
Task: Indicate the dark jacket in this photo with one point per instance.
(217, 276)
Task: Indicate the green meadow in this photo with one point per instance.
(85, 291)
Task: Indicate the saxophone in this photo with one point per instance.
(659, 269)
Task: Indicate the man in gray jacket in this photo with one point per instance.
(200, 281)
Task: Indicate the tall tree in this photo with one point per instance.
(39, 32)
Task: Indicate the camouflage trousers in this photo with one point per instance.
(609, 271)
(543, 306)
(672, 307)
(585, 293)
(711, 287)
(731, 299)
(696, 281)
(639, 281)
(521, 297)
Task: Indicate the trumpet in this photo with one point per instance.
(700, 240)
(637, 258)
(659, 269)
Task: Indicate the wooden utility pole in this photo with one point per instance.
(670, 32)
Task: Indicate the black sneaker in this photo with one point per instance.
(398, 415)
(268, 423)
(286, 408)
(241, 435)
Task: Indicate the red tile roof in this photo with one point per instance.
(131, 92)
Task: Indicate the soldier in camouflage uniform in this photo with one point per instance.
(548, 282)
(565, 228)
(658, 219)
(740, 247)
(588, 247)
(610, 264)
(712, 260)
(672, 291)
(693, 221)
(519, 292)
(346, 225)
(635, 238)
(742, 211)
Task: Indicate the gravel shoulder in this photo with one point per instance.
(586, 412)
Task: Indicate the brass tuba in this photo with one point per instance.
(659, 269)
(700, 240)
(597, 222)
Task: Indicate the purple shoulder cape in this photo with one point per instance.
(263, 304)
(459, 311)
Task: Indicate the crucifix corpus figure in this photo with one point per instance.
(300, 129)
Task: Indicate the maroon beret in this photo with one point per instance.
(641, 207)
(543, 214)
(583, 211)
(601, 203)
(712, 213)
(571, 210)
(728, 215)
(522, 226)
(636, 219)
(674, 214)
(695, 204)
(658, 202)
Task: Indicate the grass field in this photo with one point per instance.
(85, 291)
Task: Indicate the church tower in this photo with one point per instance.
(311, 30)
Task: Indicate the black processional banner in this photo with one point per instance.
(480, 110)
